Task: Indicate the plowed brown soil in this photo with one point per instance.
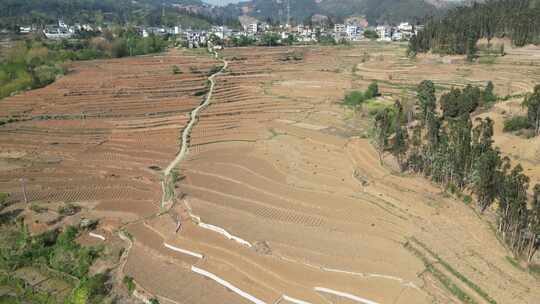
(276, 162)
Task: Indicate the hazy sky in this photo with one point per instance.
(224, 2)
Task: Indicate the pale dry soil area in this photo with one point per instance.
(281, 166)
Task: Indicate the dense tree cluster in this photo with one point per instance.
(459, 31)
(14, 13)
(455, 152)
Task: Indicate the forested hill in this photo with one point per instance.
(461, 28)
(144, 12)
(376, 11)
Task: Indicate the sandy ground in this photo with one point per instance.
(284, 170)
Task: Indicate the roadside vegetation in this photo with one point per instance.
(443, 144)
(35, 62)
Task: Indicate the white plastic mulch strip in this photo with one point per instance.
(345, 295)
(225, 233)
(227, 285)
(98, 236)
(293, 300)
(184, 251)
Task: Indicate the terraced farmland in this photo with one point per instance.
(280, 199)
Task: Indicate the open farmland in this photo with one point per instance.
(303, 208)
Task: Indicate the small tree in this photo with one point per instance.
(471, 46)
(383, 124)
(399, 146)
(426, 98)
(489, 95)
(534, 224)
(270, 39)
(176, 70)
(532, 102)
(372, 91)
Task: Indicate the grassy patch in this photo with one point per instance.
(467, 199)
(513, 262)
(490, 59)
(457, 274)
(516, 123)
(441, 277)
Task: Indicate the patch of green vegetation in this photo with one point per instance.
(456, 273)
(35, 63)
(68, 209)
(441, 277)
(54, 253)
(467, 199)
(130, 283)
(37, 208)
(176, 70)
(513, 262)
(215, 69)
(357, 98)
(534, 269)
(3, 198)
(91, 290)
(489, 59)
(516, 123)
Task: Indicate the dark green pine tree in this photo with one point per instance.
(426, 98)
(532, 102)
(399, 146)
(534, 224)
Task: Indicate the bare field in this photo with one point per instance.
(303, 208)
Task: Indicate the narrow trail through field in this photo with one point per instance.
(186, 134)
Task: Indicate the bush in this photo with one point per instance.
(354, 98)
(370, 34)
(516, 123)
(69, 209)
(3, 197)
(44, 75)
(130, 283)
(176, 70)
(372, 91)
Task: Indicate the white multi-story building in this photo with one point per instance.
(251, 28)
(354, 32)
(384, 32)
(339, 28)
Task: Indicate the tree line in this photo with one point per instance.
(459, 31)
(449, 148)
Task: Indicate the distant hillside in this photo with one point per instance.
(144, 12)
(462, 27)
(376, 11)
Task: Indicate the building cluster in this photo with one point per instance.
(349, 31)
(404, 31)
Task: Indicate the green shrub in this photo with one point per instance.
(176, 70)
(130, 283)
(354, 98)
(37, 209)
(467, 199)
(69, 209)
(3, 198)
(516, 123)
(372, 91)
